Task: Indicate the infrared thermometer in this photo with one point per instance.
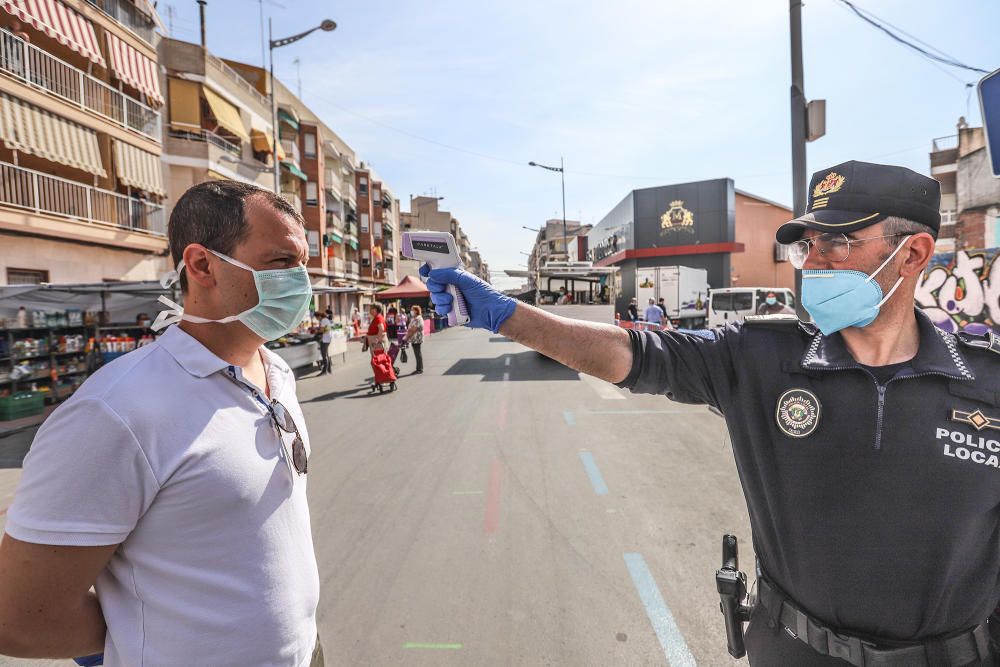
(439, 251)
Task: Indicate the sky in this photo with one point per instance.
(454, 98)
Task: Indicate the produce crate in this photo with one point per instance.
(21, 404)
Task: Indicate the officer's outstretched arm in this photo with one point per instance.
(601, 350)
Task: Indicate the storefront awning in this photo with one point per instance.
(134, 68)
(288, 118)
(26, 128)
(185, 104)
(225, 113)
(60, 23)
(261, 141)
(294, 169)
(138, 168)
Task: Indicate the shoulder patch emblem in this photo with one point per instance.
(798, 412)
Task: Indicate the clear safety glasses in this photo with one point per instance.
(833, 247)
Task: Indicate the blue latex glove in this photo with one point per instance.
(488, 308)
(90, 660)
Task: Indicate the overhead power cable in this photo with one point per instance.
(881, 24)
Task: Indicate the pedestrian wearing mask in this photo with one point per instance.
(865, 443)
(771, 306)
(653, 313)
(633, 310)
(173, 480)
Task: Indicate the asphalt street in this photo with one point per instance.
(501, 509)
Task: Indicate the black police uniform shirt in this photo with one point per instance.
(876, 507)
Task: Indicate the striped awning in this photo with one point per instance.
(134, 68)
(60, 23)
(26, 128)
(138, 168)
(294, 169)
(226, 114)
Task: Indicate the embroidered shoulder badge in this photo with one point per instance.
(798, 413)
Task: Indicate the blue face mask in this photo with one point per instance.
(771, 300)
(837, 299)
(283, 297)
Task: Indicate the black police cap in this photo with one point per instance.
(854, 195)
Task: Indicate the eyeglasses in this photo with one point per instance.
(283, 420)
(834, 247)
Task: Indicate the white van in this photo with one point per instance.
(732, 304)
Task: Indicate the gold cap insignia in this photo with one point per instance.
(828, 185)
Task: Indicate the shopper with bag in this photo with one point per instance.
(415, 336)
(174, 480)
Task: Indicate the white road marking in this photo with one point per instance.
(605, 390)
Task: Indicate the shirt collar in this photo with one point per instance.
(938, 352)
(193, 357)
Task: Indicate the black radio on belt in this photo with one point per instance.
(732, 587)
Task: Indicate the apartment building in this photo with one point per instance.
(81, 188)
(425, 213)
(218, 124)
(556, 242)
(970, 196)
(377, 229)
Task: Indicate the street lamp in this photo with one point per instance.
(326, 26)
(562, 178)
(530, 229)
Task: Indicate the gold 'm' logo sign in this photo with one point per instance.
(677, 218)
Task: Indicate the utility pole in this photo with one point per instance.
(798, 99)
(798, 109)
(562, 179)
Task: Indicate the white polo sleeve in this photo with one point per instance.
(86, 480)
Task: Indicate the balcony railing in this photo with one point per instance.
(353, 269)
(42, 193)
(945, 143)
(337, 265)
(291, 149)
(238, 79)
(129, 16)
(351, 193)
(39, 69)
(387, 243)
(293, 199)
(332, 183)
(210, 137)
(334, 222)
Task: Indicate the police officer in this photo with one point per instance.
(868, 443)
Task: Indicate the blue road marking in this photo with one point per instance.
(674, 647)
(570, 419)
(600, 488)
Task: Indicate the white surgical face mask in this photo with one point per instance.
(283, 297)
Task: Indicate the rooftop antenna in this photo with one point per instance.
(170, 19)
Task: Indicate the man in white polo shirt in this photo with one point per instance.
(173, 481)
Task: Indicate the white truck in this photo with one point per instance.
(684, 291)
(591, 290)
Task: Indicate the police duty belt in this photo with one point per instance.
(963, 649)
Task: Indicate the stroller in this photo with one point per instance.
(383, 371)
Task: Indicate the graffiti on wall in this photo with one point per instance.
(961, 291)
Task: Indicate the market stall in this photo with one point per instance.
(52, 337)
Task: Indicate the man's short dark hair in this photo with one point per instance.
(377, 307)
(902, 227)
(213, 214)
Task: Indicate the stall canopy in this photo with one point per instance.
(139, 169)
(226, 113)
(26, 128)
(185, 105)
(59, 22)
(134, 68)
(408, 288)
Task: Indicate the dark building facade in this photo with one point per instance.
(689, 224)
